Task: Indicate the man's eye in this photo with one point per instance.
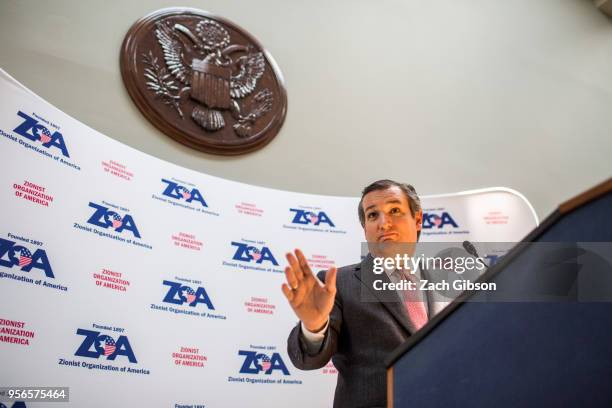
(395, 210)
(371, 215)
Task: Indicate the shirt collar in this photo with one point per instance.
(416, 275)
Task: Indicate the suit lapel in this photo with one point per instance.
(364, 272)
(435, 302)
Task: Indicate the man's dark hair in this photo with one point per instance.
(411, 195)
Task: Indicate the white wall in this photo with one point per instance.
(447, 95)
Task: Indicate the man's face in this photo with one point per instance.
(388, 220)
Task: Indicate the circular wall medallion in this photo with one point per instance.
(203, 81)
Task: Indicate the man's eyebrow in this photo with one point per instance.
(393, 201)
(369, 207)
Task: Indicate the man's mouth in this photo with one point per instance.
(389, 236)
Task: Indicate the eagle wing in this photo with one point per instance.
(261, 104)
(173, 53)
(252, 67)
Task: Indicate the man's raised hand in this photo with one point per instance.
(311, 300)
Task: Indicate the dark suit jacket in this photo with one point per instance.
(364, 328)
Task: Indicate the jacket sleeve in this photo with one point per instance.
(297, 349)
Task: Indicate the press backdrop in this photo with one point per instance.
(136, 282)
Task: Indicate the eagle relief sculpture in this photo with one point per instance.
(202, 64)
(203, 80)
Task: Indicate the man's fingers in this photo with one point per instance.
(288, 292)
(303, 263)
(300, 293)
(291, 279)
(330, 279)
(295, 296)
(295, 265)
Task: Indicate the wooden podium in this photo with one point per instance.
(543, 339)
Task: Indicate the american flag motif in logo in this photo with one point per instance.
(25, 257)
(185, 193)
(189, 294)
(45, 135)
(116, 220)
(109, 346)
(265, 363)
(437, 220)
(255, 253)
(313, 218)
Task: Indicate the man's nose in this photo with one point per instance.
(384, 222)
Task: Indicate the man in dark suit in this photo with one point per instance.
(342, 316)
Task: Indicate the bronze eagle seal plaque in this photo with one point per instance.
(203, 81)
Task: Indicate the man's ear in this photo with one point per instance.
(418, 217)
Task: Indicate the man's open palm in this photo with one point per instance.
(311, 300)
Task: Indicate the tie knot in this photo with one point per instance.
(405, 274)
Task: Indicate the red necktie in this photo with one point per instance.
(415, 307)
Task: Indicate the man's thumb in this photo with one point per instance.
(330, 279)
